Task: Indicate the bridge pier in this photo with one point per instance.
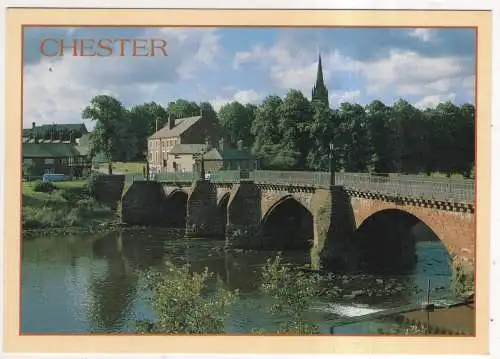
(243, 228)
(334, 227)
(144, 203)
(201, 213)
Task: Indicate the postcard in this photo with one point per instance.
(247, 181)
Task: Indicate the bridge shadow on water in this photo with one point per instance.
(176, 209)
(288, 226)
(386, 242)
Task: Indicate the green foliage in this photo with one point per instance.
(292, 293)
(237, 120)
(46, 187)
(184, 302)
(91, 185)
(111, 133)
(291, 133)
(67, 205)
(182, 108)
(462, 278)
(27, 169)
(410, 329)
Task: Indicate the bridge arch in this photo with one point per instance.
(222, 204)
(176, 208)
(287, 224)
(387, 240)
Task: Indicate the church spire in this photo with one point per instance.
(320, 92)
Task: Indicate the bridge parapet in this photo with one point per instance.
(445, 190)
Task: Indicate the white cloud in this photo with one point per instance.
(433, 100)
(242, 96)
(292, 67)
(60, 95)
(410, 73)
(401, 72)
(338, 97)
(424, 35)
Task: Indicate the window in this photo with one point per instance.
(49, 161)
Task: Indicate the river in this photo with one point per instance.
(94, 283)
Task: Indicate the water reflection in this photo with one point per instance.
(95, 282)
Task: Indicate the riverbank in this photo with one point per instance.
(64, 208)
(457, 320)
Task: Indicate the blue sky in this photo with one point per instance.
(219, 65)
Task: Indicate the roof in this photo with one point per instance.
(51, 150)
(180, 126)
(187, 149)
(228, 154)
(76, 127)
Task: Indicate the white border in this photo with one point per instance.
(302, 4)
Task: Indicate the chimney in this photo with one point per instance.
(221, 144)
(52, 133)
(33, 130)
(239, 145)
(171, 121)
(156, 125)
(71, 139)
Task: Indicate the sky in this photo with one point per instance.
(421, 65)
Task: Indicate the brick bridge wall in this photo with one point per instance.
(336, 213)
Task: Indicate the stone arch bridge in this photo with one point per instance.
(361, 220)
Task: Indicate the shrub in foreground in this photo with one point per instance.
(184, 304)
(292, 293)
(46, 187)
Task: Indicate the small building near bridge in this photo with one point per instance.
(55, 156)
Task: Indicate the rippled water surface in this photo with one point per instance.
(94, 283)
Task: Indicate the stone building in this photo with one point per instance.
(182, 157)
(181, 131)
(225, 158)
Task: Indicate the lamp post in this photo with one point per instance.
(202, 169)
(146, 171)
(332, 166)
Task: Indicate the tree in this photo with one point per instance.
(412, 142)
(143, 123)
(321, 133)
(265, 129)
(377, 122)
(236, 120)
(294, 119)
(109, 116)
(353, 138)
(183, 108)
(468, 138)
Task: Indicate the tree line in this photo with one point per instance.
(293, 133)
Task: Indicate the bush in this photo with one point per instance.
(91, 186)
(183, 304)
(463, 278)
(40, 186)
(292, 293)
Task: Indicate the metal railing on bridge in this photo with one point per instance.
(412, 186)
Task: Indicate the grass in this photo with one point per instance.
(68, 205)
(124, 167)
